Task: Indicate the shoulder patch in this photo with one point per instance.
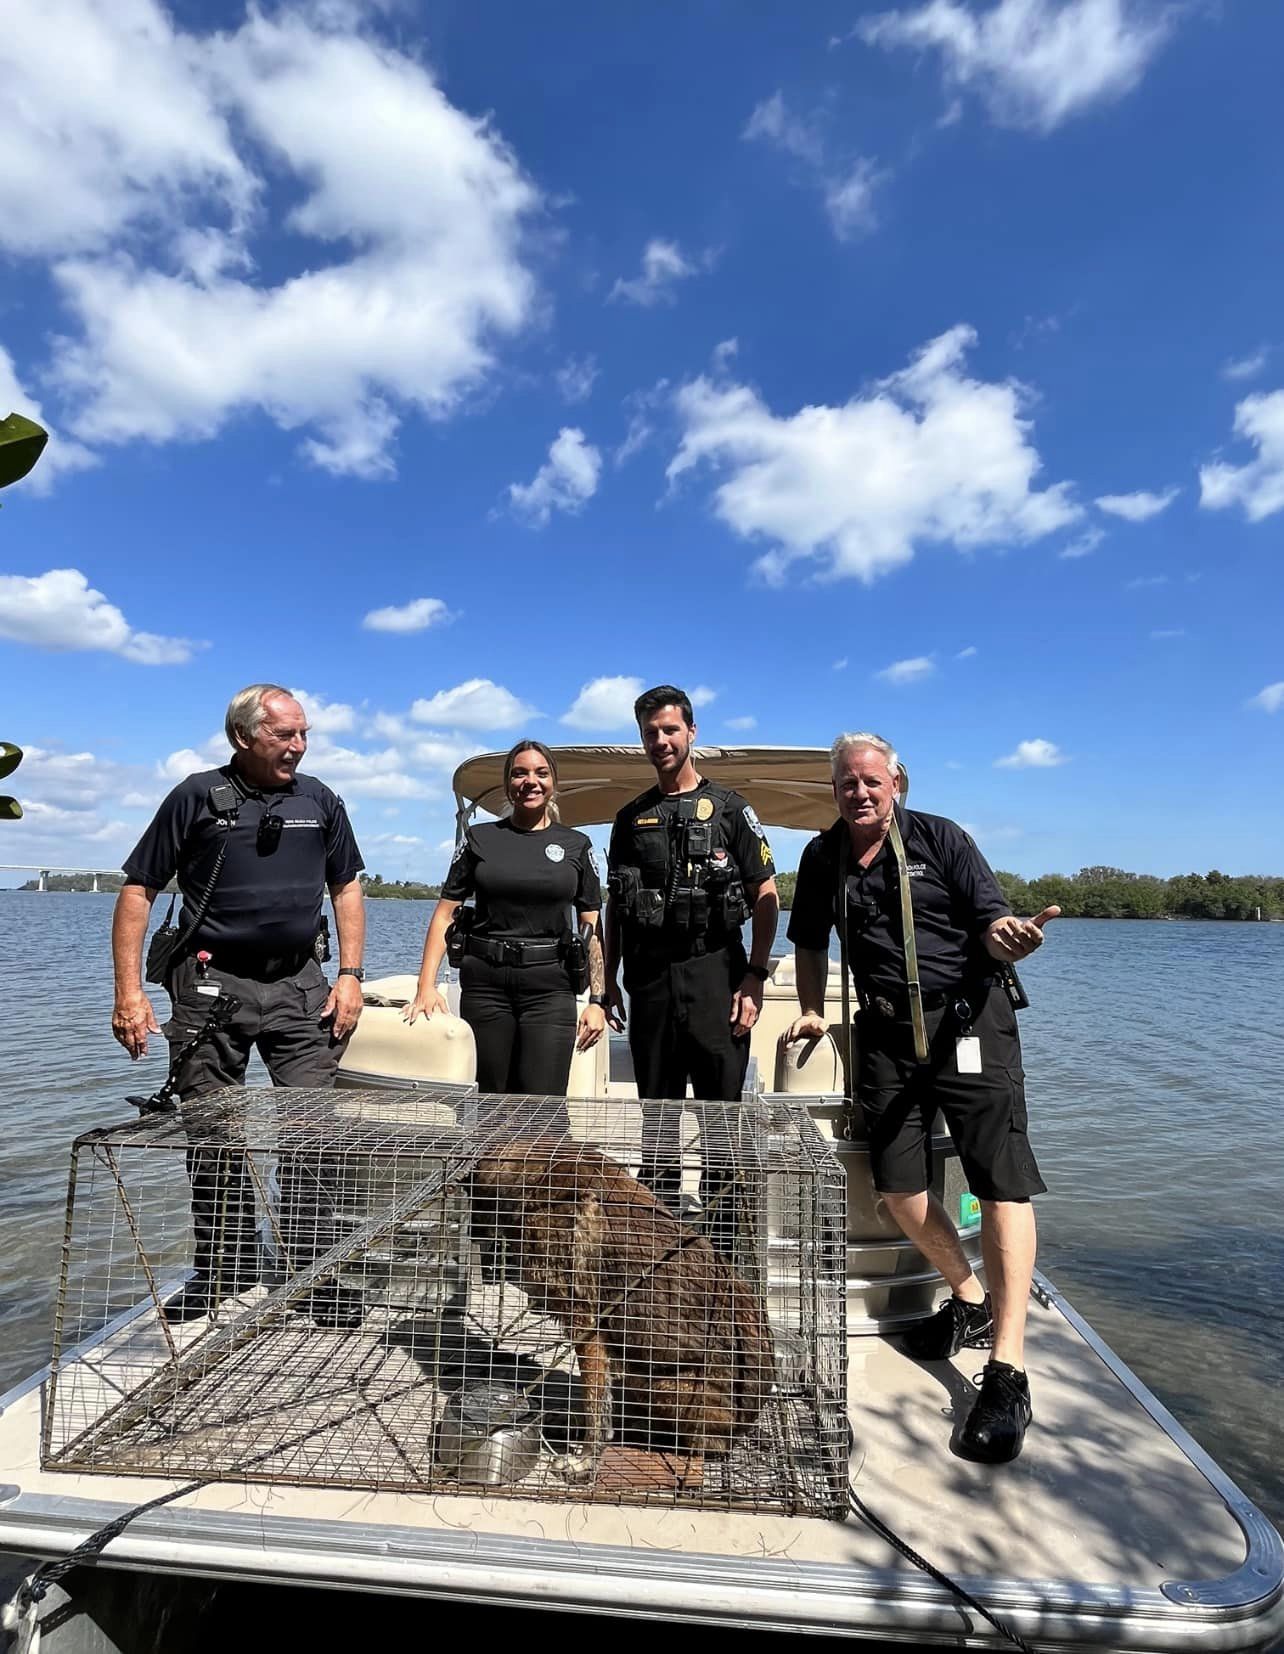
(751, 816)
(459, 850)
(764, 850)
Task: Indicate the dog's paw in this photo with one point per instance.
(576, 1467)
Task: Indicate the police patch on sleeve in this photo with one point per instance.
(554, 852)
(459, 850)
(751, 816)
(595, 864)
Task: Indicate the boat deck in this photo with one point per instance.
(1113, 1529)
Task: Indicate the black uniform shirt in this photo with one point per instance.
(266, 898)
(955, 895)
(643, 829)
(525, 882)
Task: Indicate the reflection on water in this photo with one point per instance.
(1153, 1055)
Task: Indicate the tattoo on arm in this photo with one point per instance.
(596, 964)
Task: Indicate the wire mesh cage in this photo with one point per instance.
(428, 1292)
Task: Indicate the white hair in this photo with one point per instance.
(245, 713)
(855, 743)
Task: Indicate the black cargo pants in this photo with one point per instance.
(679, 1031)
(282, 1018)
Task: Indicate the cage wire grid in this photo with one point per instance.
(429, 1292)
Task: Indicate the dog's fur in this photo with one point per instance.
(663, 1328)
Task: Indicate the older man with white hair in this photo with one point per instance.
(927, 930)
(254, 845)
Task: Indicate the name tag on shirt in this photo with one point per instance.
(967, 1051)
(211, 988)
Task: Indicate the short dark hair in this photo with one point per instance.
(664, 694)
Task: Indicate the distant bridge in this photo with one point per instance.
(43, 872)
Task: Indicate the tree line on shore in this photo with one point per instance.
(1091, 893)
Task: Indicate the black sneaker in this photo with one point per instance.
(194, 1301)
(955, 1326)
(996, 1426)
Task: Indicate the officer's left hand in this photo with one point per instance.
(344, 1005)
(746, 1003)
(1011, 938)
(592, 1026)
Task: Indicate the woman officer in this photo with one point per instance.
(525, 873)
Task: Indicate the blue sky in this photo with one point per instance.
(467, 367)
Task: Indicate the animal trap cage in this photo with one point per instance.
(446, 1293)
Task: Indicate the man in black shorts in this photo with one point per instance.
(956, 1050)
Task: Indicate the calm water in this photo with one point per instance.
(1154, 1054)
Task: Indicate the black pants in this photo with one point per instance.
(524, 1019)
(680, 1031)
(283, 1019)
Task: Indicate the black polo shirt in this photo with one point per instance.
(956, 899)
(525, 883)
(268, 895)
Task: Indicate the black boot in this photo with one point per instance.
(996, 1426)
(955, 1326)
(665, 1183)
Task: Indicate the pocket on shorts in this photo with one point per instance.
(313, 988)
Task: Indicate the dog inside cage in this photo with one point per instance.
(435, 1292)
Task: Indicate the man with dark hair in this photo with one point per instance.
(254, 845)
(927, 932)
(689, 863)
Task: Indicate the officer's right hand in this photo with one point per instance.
(426, 1004)
(807, 1026)
(132, 1019)
(614, 1006)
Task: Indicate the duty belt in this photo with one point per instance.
(513, 950)
(255, 964)
(886, 1002)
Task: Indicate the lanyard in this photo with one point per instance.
(911, 947)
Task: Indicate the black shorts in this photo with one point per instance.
(985, 1112)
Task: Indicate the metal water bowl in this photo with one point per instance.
(489, 1436)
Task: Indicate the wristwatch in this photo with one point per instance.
(351, 970)
(600, 999)
(760, 971)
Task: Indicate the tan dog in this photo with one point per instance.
(659, 1321)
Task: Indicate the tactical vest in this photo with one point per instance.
(675, 879)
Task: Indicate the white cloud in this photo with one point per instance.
(1246, 367)
(566, 481)
(61, 610)
(748, 722)
(1139, 507)
(60, 454)
(604, 703)
(1169, 632)
(1145, 582)
(928, 455)
(1083, 545)
(1033, 755)
(476, 704)
(702, 695)
(415, 616)
(840, 665)
(847, 189)
(443, 752)
(575, 379)
(1034, 63)
(908, 671)
(325, 717)
(966, 654)
(140, 165)
(109, 121)
(664, 265)
(1258, 486)
(1270, 699)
